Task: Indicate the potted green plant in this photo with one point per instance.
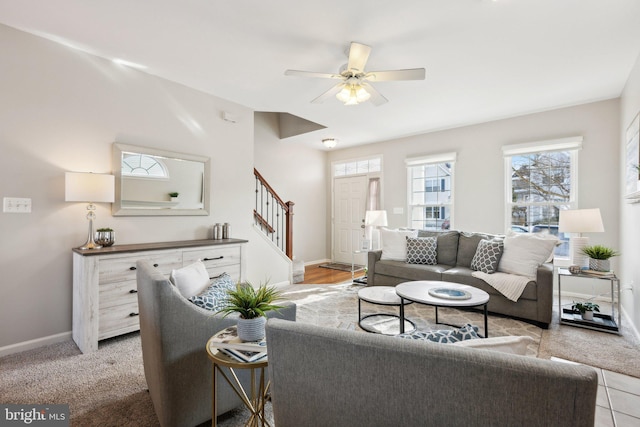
(252, 305)
(105, 236)
(586, 309)
(599, 257)
(174, 196)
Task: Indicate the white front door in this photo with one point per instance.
(349, 202)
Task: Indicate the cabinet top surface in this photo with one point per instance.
(116, 249)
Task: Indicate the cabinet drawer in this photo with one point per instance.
(123, 269)
(118, 320)
(213, 257)
(117, 293)
(231, 270)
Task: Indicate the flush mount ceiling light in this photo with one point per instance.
(330, 142)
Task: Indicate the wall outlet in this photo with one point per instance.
(16, 205)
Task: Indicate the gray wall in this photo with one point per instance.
(61, 110)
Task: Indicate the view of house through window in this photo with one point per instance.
(430, 192)
(539, 185)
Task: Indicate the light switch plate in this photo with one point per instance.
(16, 205)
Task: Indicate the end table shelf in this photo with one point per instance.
(600, 321)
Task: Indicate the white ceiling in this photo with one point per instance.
(485, 60)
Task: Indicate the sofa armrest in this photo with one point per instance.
(373, 257)
(544, 281)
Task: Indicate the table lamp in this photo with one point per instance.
(89, 188)
(375, 219)
(580, 221)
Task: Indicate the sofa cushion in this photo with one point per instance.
(215, 297)
(447, 245)
(422, 250)
(487, 255)
(467, 246)
(509, 344)
(190, 280)
(467, 332)
(464, 276)
(525, 252)
(394, 243)
(405, 272)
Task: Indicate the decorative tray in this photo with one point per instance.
(449, 293)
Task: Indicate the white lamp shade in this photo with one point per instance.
(88, 187)
(375, 218)
(580, 221)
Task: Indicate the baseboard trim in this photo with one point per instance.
(38, 342)
(319, 261)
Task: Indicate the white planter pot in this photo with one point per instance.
(587, 315)
(251, 329)
(599, 264)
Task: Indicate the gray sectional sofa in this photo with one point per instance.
(455, 250)
(333, 377)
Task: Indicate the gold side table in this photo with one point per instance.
(257, 397)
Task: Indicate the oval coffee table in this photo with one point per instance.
(418, 291)
(382, 323)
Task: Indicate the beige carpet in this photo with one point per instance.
(107, 388)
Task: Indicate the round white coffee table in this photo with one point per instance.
(382, 323)
(450, 296)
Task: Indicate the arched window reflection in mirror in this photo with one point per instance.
(143, 165)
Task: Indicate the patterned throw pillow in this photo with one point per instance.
(214, 298)
(422, 250)
(467, 332)
(487, 256)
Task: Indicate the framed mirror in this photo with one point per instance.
(153, 182)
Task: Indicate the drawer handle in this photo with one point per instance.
(211, 259)
(133, 291)
(132, 268)
(133, 314)
(155, 265)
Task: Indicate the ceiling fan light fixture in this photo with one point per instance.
(353, 94)
(330, 142)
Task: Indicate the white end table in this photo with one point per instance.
(383, 323)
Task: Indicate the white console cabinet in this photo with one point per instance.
(105, 301)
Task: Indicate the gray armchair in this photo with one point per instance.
(174, 333)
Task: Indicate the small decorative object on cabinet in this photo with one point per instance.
(105, 301)
(599, 257)
(251, 304)
(174, 196)
(105, 237)
(600, 322)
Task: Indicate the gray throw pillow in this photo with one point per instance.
(487, 256)
(215, 297)
(422, 250)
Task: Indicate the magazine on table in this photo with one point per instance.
(228, 339)
(244, 356)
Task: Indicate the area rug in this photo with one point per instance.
(342, 267)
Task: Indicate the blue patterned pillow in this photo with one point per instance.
(215, 297)
(422, 250)
(467, 332)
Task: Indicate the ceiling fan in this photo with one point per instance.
(354, 87)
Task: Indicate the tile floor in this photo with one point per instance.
(618, 401)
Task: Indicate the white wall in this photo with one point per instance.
(629, 213)
(298, 174)
(61, 110)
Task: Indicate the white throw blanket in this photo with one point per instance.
(509, 285)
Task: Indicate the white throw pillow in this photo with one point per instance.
(524, 253)
(394, 243)
(509, 344)
(190, 280)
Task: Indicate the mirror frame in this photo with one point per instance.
(118, 210)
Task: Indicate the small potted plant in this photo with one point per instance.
(105, 236)
(174, 196)
(586, 309)
(251, 304)
(599, 257)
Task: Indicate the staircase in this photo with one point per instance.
(273, 216)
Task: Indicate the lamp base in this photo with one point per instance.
(577, 257)
(90, 243)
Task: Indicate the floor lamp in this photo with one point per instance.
(89, 188)
(580, 221)
(375, 219)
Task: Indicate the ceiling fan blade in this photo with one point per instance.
(358, 56)
(376, 97)
(328, 94)
(312, 74)
(385, 76)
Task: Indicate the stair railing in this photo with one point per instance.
(273, 215)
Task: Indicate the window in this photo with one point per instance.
(430, 183)
(142, 165)
(541, 181)
(357, 167)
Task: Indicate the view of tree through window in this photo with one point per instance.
(540, 187)
(430, 195)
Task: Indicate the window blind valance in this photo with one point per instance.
(561, 144)
(433, 158)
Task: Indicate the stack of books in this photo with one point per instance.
(594, 273)
(227, 342)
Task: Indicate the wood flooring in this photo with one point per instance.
(314, 275)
